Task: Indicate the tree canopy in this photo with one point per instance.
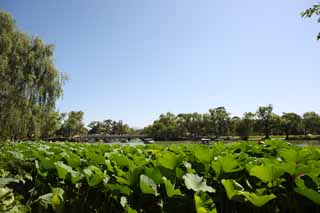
(109, 126)
(30, 84)
(73, 124)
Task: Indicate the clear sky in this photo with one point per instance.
(135, 59)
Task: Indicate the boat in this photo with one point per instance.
(148, 141)
(205, 140)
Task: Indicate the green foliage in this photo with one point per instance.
(291, 123)
(307, 192)
(73, 125)
(196, 183)
(266, 173)
(170, 188)
(239, 177)
(109, 127)
(234, 189)
(147, 185)
(217, 123)
(311, 123)
(312, 11)
(265, 114)
(30, 84)
(243, 127)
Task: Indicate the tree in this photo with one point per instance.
(73, 125)
(275, 124)
(291, 123)
(233, 125)
(30, 84)
(184, 121)
(264, 114)
(207, 124)
(96, 127)
(165, 128)
(311, 123)
(52, 123)
(312, 11)
(244, 126)
(219, 118)
(109, 127)
(196, 127)
(120, 128)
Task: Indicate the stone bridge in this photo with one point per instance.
(108, 138)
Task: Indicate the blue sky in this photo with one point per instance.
(133, 60)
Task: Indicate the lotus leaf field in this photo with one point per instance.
(238, 177)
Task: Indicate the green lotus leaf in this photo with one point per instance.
(303, 190)
(169, 160)
(93, 175)
(233, 189)
(147, 185)
(266, 173)
(197, 183)
(170, 188)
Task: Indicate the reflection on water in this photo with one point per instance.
(134, 142)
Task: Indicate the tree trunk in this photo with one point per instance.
(267, 131)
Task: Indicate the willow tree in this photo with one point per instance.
(313, 11)
(30, 84)
(264, 114)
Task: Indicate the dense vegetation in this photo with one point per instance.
(240, 177)
(218, 122)
(109, 127)
(29, 83)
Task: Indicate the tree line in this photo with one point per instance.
(217, 122)
(109, 127)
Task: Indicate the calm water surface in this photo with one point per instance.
(301, 143)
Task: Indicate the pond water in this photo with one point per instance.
(140, 142)
(306, 142)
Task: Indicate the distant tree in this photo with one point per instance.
(291, 123)
(219, 121)
(275, 124)
(311, 123)
(120, 128)
(234, 121)
(244, 126)
(165, 128)
(73, 125)
(197, 129)
(313, 11)
(264, 114)
(96, 127)
(184, 121)
(109, 127)
(190, 125)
